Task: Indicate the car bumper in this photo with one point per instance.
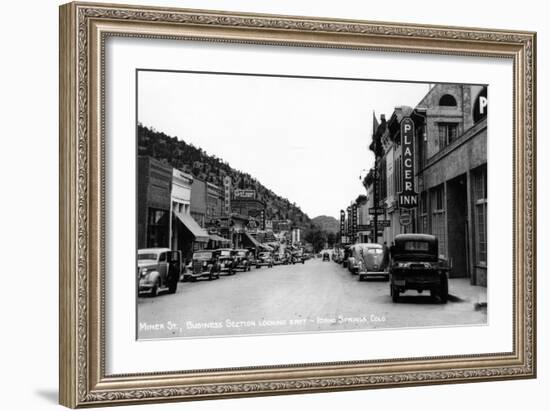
(417, 283)
(196, 275)
(145, 285)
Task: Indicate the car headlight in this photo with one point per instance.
(427, 265)
(143, 272)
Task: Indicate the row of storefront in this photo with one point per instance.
(181, 212)
(450, 177)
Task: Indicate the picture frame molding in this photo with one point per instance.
(84, 27)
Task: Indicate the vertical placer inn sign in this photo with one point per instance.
(408, 198)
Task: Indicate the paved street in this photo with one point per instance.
(315, 296)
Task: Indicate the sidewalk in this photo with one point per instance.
(461, 290)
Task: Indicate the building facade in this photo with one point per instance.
(250, 207)
(198, 201)
(214, 203)
(153, 203)
(450, 175)
(186, 234)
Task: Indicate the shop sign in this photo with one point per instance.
(405, 219)
(481, 105)
(376, 210)
(241, 194)
(353, 220)
(380, 223)
(227, 195)
(262, 219)
(408, 198)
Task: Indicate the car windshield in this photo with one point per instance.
(202, 256)
(225, 253)
(374, 251)
(416, 246)
(241, 253)
(147, 256)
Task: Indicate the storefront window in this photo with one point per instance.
(157, 230)
(480, 211)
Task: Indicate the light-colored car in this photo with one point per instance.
(367, 260)
(157, 269)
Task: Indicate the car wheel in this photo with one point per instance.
(394, 294)
(155, 289)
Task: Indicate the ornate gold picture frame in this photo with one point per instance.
(84, 29)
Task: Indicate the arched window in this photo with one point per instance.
(447, 100)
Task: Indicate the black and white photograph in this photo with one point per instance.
(278, 204)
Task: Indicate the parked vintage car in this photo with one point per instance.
(157, 269)
(264, 259)
(415, 265)
(226, 260)
(205, 264)
(338, 256)
(241, 258)
(367, 261)
(284, 258)
(326, 256)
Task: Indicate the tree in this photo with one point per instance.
(317, 238)
(361, 199)
(331, 239)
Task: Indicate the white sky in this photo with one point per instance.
(305, 139)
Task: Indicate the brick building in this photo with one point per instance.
(153, 200)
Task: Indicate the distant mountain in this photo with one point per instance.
(327, 223)
(194, 160)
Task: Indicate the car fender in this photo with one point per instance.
(154, 276)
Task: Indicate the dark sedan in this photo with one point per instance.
(416, 266)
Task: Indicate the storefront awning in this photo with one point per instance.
(215, 237)
(251, 241)
(196, 230)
